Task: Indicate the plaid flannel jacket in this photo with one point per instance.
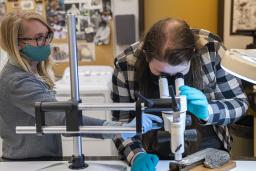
(227, 101)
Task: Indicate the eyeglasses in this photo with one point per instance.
(41, 40)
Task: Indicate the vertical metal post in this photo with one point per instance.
(138, 114)
(74, 79)
(73, 58)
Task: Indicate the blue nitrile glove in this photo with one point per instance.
(145, 162)
(149, 122)
(196, 101)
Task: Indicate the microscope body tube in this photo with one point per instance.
(163, 87)
(174, 122)
(179, 122)
(179, 81)
(164, 93)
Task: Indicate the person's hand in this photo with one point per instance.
(145, 162)
(196, 101)
(149, 122)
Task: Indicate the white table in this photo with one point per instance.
(98, 165)
(62, 166)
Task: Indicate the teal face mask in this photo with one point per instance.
(36, 53)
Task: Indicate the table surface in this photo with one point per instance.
(98, 165)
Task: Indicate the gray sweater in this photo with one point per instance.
(18, 92)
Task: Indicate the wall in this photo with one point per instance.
(120, 7)
(198, 13)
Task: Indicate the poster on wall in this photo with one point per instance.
(90, 15)
(26, 5)
(39, 8)
(93, 18)
(102, 35)
(81, 9)
(86, 51)
(96, 4)
(21, 5)
(2, 9)
(72, 8)
(243, 16)
(55, 15)
(59, 52)
(15, 5)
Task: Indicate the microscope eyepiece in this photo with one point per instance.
(164, 75)
(179, 75)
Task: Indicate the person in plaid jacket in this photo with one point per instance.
(214, 97)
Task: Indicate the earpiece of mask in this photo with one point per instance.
(36, 53)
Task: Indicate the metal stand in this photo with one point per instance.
(77, 161)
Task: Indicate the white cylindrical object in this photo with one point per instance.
(177, 143)
(164, 93)
(163, 87)
(183, 120)
(183, 103)
(179, 81)
(168, 119)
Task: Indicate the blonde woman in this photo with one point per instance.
(27, 78)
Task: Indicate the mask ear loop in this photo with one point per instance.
(17, 43)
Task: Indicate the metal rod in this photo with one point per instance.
(82, 129)
(108, 106)
(74, 80)
(73, 58)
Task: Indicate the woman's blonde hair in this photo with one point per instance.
(11, 28)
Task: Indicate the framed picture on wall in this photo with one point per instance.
(243, 16)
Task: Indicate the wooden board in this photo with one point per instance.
(228, 166)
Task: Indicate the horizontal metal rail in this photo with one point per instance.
(108, 106)
(82, 130)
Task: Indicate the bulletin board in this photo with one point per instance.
(93, 23)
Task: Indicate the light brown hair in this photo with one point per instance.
(12, 27)
(169, 40)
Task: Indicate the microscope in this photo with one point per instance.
(175, 121)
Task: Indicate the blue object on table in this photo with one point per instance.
(145, 162)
